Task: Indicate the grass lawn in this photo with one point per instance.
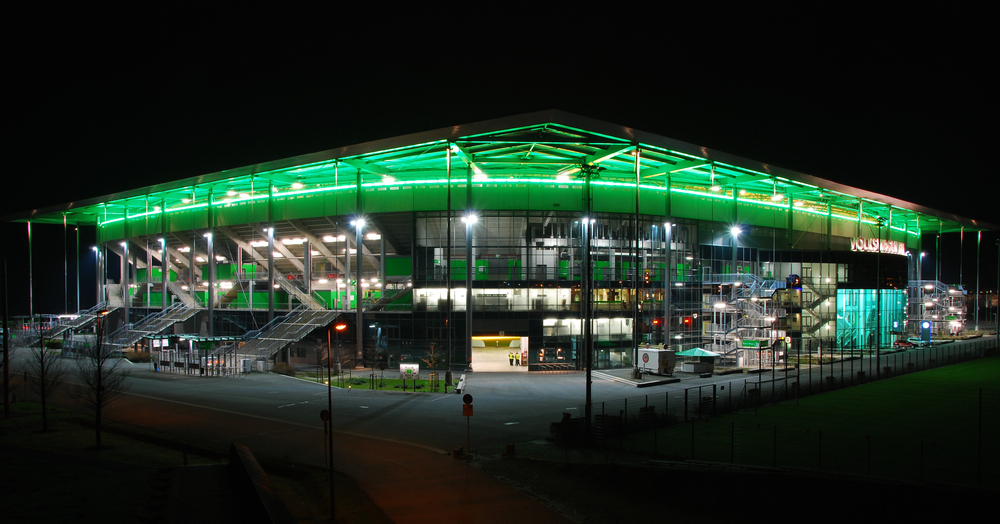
(386, 382)
(922, 426)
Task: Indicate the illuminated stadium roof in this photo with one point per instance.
(549, 148)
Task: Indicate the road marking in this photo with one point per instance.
(304, 402)
(440, 398)
(510, 423)
(285, 406)
(290, 423)
(605, 376)
(363, 407)
(570, 408)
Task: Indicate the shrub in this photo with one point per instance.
(284, 368)
(138, 356)
(54, 343)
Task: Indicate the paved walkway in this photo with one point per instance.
(411, 483)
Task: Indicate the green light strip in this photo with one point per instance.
(508, 180)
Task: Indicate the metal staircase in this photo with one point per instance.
(382, 302)
(82, 321)
(151, 325)
(282, 331)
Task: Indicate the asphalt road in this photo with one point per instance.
(393, 444)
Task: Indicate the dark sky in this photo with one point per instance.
(889, 102)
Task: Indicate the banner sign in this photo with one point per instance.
(874, 245)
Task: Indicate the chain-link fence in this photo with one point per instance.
(634, 423)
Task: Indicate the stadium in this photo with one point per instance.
(539, 242)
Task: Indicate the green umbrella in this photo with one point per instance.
(697, 352)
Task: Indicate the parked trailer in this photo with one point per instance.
(657, 361)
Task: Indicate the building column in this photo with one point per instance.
(469, 262)
(447, 261)
(164, 272)
(307, 256)
(270, 251)
(211, 282)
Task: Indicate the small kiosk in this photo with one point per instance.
(698, 360)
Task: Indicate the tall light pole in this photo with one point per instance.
(979, 240)
(878, 300)
(359, 225)
(469, 219)
(339, 326)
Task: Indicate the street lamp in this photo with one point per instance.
(339, 326)
(878, 300)
(359, 225)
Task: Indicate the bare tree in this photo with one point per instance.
(371, 353)
(341, 354)
(434, 355)
(103, 374)
(46, 374)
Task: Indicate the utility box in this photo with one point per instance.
(657, 361)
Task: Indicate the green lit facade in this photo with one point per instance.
(529, 226)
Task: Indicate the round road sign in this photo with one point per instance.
(467, 398)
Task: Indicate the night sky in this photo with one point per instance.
(893, 103)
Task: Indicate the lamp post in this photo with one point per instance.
(878, 300)
(359, 225)
(469, 219)
(97, 273)
(339, 326)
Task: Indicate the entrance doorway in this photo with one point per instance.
(492, 353)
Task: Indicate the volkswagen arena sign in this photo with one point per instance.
(874, 245)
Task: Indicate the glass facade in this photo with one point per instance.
(858, 317)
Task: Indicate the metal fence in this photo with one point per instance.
(614, 421)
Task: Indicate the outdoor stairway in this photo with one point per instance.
(82, 321)
(282, 331)
(151, 325)
(380, 304)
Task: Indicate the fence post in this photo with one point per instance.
(774, 449)
(979, 442)
(868, 441)
(692, 440)
(714, 395)
(685, 405)
(819, 448)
